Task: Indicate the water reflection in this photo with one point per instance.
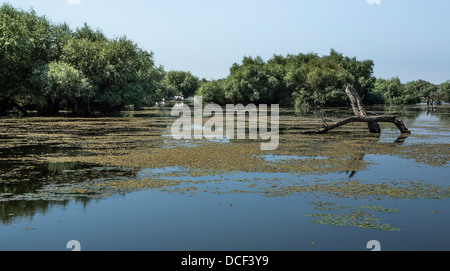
(27, 183)
(27, 188)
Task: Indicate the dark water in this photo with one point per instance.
(160, 220)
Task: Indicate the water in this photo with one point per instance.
(238, 210)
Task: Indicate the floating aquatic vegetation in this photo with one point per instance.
(378, 208)
(436, 211)
(137, 142)
(327, 206)
(134, 185)
(362, 218)
(29, 229)
(46, 161)
(355, 220)
(90, 189)
(358, 189)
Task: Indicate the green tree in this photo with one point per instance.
(86, 32)
(60, 34)
(425, 89)
(412, 92)
(213, 91)
(161, 91)
(276, 68)
(252, 82)
(181, 83)
(39, 59)
(59, 85)
(119, 72)
(306, 79)
(444, 91)
(25, 43)
(319, 80)
(391, 89)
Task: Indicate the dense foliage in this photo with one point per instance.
(179, 83)
(312, 80)
(303, 79)
(49, 67)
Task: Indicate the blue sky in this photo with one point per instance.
(405, 38)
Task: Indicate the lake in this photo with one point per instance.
(124, 183)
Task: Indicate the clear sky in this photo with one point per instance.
(405, 38)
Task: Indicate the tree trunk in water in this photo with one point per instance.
(361, 116)
(369, 120)
(359, 110)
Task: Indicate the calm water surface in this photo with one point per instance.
(160, 220)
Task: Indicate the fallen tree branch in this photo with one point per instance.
(370, 120)
(359, 110)
(360, 116)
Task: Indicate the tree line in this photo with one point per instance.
(48, 67)
(312, 80)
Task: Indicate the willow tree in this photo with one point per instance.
(25, 43)
(181, 83)
(119, 72)
(59, 85)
